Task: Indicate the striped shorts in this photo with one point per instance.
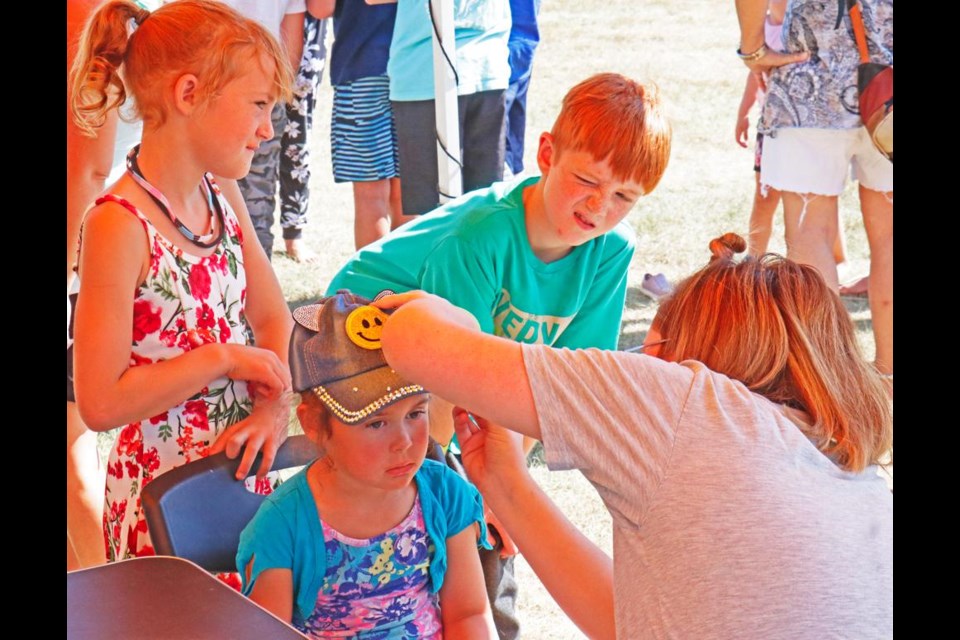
(363, 137)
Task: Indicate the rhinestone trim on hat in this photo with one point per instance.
(348, 416)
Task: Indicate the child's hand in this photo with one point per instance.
(743, 131)
(264, 430)
(261, 367)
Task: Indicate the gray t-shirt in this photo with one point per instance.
(728, 522)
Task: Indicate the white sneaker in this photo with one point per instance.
(656, 286)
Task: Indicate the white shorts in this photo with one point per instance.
(818, 161)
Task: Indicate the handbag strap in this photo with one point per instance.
(859, 31)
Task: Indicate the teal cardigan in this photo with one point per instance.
(286, 532)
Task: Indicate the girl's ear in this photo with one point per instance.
(186, 93)
(309, 419)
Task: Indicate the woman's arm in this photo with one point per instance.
(438, 345)
(464, 607)
(751, 14)
(273, 591)
(582, 583)
(266, 311)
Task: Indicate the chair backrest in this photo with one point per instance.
(197, 511)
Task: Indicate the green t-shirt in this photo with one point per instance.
(474, 252)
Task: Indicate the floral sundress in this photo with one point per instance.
(185, 301)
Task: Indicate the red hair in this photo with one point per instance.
(614, 117)
(202, 37)
(776, 326)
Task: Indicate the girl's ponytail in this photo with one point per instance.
(96, 85)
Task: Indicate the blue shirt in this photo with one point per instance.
(361, 45)
(481, 30)
(286, 532)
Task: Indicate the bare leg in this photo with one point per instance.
(372, 211)
(396, 205)
(877, 209)
(840, 245)
(761, 219)
(85, 481)
(811, 230)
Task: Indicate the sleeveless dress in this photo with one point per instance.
(185, 302)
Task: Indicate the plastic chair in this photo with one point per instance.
(198, 510)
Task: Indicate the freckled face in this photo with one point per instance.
(236, 120)
(583, 199)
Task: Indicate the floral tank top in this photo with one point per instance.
(377, 588)
(185, 301)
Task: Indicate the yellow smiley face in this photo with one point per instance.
(364, 325)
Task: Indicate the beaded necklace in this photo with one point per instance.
(205, 241)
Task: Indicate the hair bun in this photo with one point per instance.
(726, 246)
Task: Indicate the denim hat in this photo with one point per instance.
(335, 352)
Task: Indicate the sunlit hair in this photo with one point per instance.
(776, 326)
(616, 118)
(126, 51)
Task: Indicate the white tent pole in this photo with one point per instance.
(445, 90)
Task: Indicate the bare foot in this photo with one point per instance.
(857, 289)
(297, 251)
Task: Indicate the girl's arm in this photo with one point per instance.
(273, 591)
(464, 607)
(582, 583)
(438, 345)
(321, 9)
(113, 261)
(747, 101)
(266, 311)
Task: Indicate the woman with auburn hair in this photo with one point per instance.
(739, 464)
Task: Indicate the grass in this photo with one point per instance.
(687, 48)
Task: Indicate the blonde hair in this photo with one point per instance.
(202, 37)
(776, 326)
(612, 116)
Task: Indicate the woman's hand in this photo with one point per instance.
(396, 300)
(492, 455)
(762, 66)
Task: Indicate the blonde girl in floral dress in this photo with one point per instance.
(171, 276)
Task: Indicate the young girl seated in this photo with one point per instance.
(370, 540)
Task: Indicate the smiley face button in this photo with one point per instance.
(364, 325)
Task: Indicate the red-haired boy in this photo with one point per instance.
(542, 259)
